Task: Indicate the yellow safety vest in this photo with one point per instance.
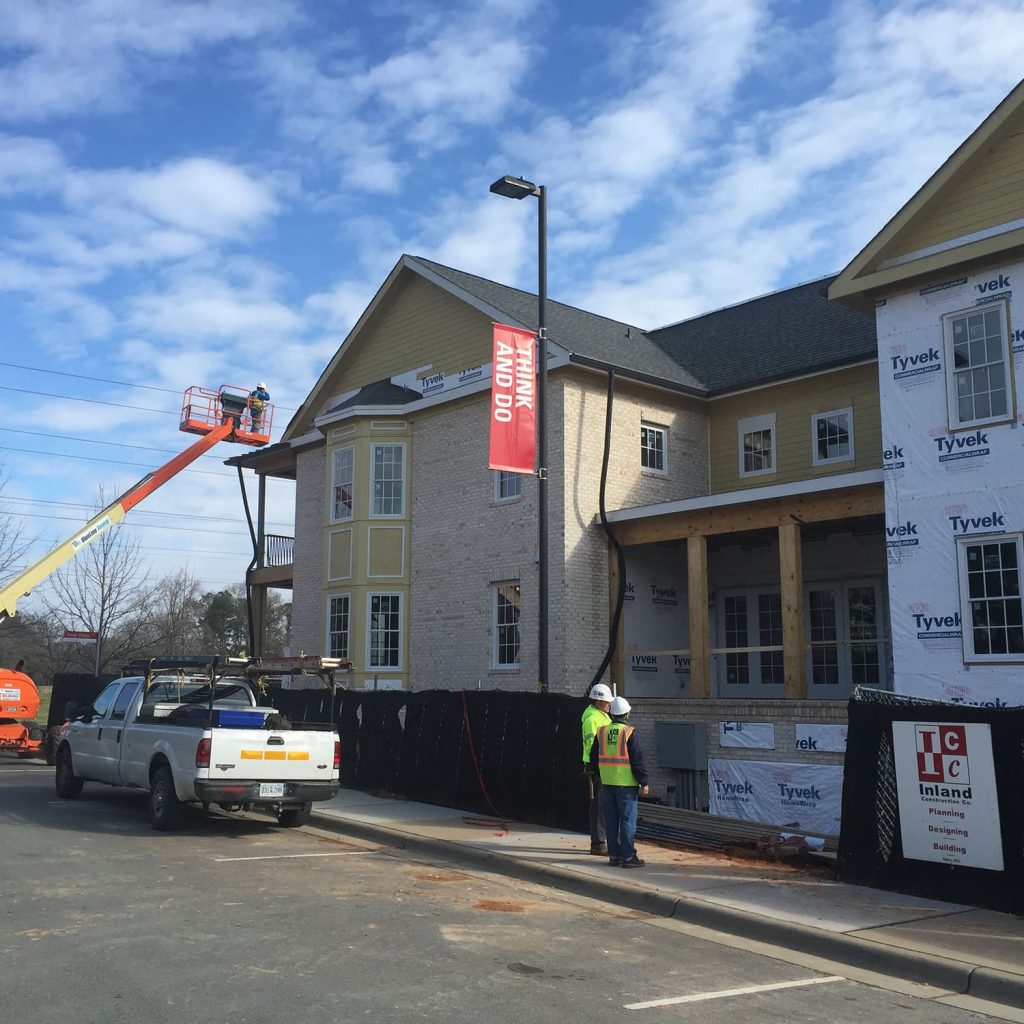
(612, 755)
(593, 719)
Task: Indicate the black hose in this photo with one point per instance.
(249, 569)
(613, 541)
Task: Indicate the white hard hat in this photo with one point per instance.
(620, 706)
(262, 386)
(600, 692)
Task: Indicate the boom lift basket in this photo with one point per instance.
(203, 409)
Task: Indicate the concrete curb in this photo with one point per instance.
(910, 965)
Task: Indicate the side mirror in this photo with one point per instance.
(85, 714)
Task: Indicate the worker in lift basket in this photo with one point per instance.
(258, 399)
(619, 758)
(595, 714)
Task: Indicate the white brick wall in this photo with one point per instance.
(310, 498)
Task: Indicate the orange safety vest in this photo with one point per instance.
(612, 755)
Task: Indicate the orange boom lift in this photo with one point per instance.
(226, 414)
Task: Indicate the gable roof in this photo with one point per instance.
(783, 334)
(869, 269)
(381, 392)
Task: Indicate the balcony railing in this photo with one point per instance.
(278, 550)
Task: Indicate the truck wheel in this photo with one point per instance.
(69, 785)
(293, 817)
(164, 805)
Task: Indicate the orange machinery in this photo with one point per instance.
(228, 413)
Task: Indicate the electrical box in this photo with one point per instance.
(682, 745)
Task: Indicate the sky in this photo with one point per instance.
(207, 193)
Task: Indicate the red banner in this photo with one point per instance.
(513, 400)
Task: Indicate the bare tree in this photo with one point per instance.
(103, 590)
(177, 614)
(14, 543)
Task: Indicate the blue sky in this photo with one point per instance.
(211, 192)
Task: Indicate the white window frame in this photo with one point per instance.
(966, 618)
(397, 667)
(373, 480)
(952, 405)
(351, 452)
(331, 598)
(751, 425)
(816, 459)
(662, 433)
(496, 626)
(515, 480)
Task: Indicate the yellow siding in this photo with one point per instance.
(987, 192)
(387, 544)
(793, 405)
(417, 324)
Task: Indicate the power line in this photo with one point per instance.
(135, 512)
(91, 401)
(113, 462)
(143, 526)
(89, 440)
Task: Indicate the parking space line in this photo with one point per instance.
(748, 990)
(291, 856)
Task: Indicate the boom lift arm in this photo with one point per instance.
(218, 415)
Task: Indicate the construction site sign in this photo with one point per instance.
(513, 439)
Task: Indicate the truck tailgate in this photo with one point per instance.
(268, 754)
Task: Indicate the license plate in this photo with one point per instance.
(271, 789)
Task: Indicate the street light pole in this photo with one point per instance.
(520, 188)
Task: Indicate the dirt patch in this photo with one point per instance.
(500, 906)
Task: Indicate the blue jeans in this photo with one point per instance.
(620, 821)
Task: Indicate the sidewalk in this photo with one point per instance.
(959, 949)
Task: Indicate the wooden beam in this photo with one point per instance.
(700, 637)
(791, 575)
(617, 667)
(843, 503)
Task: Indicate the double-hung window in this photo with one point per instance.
(978, 382)
(652, 448)
(757, 445)
(992, 616)
(832, 437)
(339, 623)
(388, 481)
(505, 624)
(507, 486)
(384, 631)
(342, 484)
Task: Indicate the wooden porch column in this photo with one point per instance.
(700, 637)
(791, 575)
(616, 668)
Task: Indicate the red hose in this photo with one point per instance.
(472, 751)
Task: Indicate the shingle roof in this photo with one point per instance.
(381, 392)
(789, 332)
(581, 333)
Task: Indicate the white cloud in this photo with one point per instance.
(29, 165)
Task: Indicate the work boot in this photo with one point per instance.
(633, 862)
(615, 862)
(599, 850)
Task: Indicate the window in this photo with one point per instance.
(338, 625)
(652, 448)
(342, 484)
(384, 646)
(124, 698)
(388, 475)
(506, 625)
(757, 445)
(832, 437)
(507, 486)
(990, 597)
(106, 698)
(977, 366)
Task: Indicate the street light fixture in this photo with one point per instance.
(520, 188)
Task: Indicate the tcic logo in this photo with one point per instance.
(928, 361)
(952, 447)
(942, 760)
(902, 536)
(892, 457)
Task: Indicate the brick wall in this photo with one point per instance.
(310, 498)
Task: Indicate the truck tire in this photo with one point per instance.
(164, 805)
(293, 817)
(69, 785)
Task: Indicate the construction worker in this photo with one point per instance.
(258, 399)
(619, 759)
(594, 716)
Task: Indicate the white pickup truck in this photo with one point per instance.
(171, 740)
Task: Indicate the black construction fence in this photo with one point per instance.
(514, 756)
(871, 841)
